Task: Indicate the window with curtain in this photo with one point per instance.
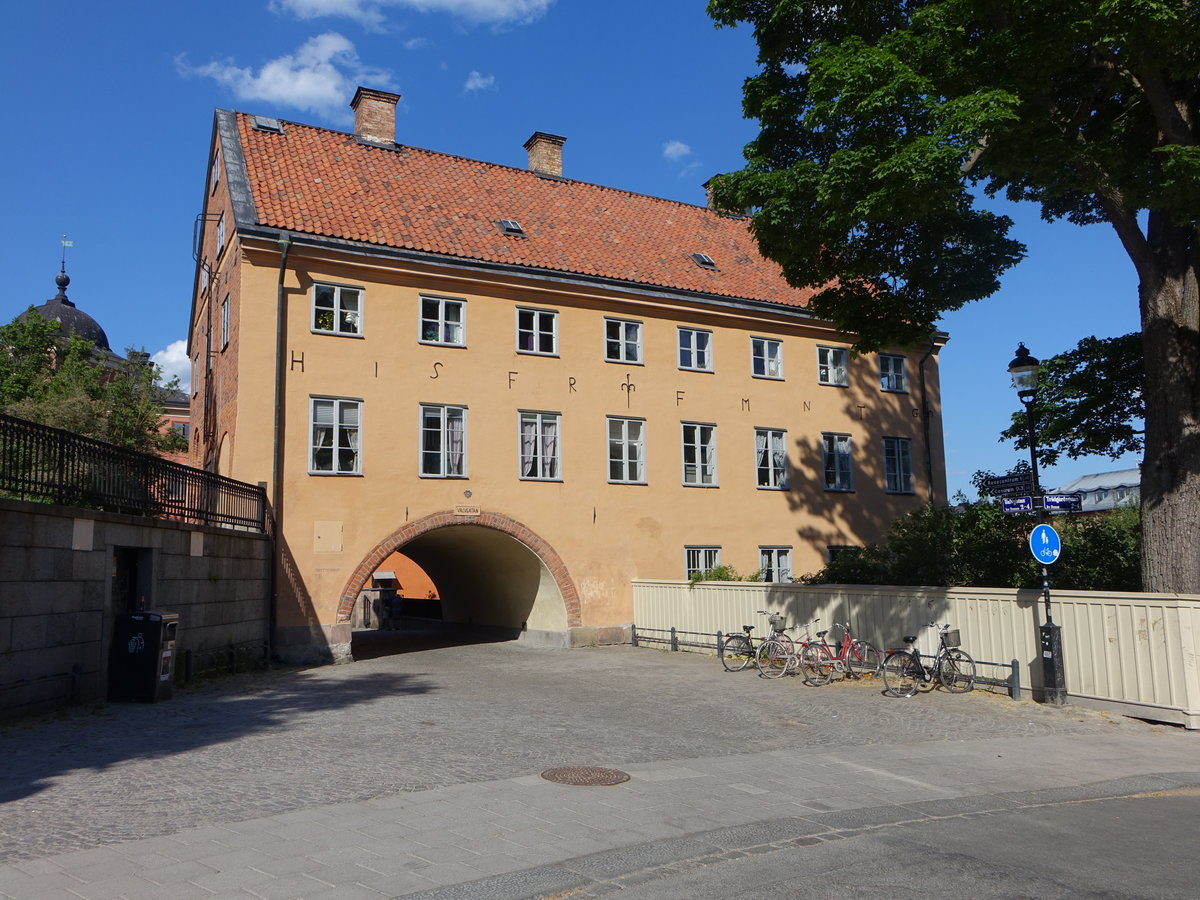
(835, 450)
(698, 560)
(831, 366)
(443, 441)
(695, 349)
(775, 563)
(539, 446)
(891, 374)
(443, 321)
(337, 309)
(770, 454)
(699, 454)
(766, 358)
(334, 445)
(626, 450)
(897, 465)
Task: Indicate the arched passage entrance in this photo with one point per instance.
(489, 570)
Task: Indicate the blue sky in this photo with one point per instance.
(110, 111)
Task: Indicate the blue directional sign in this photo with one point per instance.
(1045, 544)
(1017, 504)
(1064, 502)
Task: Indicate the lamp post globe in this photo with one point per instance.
(1024, 371)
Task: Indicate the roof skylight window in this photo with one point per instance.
(266, 123)
(703, 260)
(511, 226)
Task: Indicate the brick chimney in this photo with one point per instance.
(375, 115)
(545, 153)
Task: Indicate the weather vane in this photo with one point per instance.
(65, 243)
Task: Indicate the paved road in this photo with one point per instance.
(419, 771)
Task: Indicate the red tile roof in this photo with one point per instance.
(314, 181)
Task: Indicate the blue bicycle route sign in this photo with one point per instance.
(1045, 544)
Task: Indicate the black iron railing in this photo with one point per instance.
(55, 466)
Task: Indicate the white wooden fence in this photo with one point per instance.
(1133, 653)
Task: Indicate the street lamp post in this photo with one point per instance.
(1024, 371)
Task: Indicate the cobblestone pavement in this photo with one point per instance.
(426, 758)
(255, 745)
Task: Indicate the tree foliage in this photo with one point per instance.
(63, 383)
(882, 121)
(1089, 402)
(980, 546)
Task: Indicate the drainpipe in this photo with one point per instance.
(925, 420)
(285, 245)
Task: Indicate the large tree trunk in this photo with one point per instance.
(1171, 471)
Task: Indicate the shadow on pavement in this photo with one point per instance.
(105, 738)
(419, 635)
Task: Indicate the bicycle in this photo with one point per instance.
(854, 658)
(904, 672)
(779, 654)
(738, 650)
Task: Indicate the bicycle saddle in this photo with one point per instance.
(910, 638)
(823, 633)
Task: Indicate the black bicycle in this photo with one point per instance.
(739, 650)
(904, 671)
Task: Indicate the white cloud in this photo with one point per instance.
(369, 13)
(675, 150)
(174, 363)
(478, 82)
(319, 77)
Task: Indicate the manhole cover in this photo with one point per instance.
(587, 776)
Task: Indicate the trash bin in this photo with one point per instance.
(142, 659)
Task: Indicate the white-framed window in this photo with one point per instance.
(699, 559)
(695, 349)
(215, 176)
(220, 234)
(540, 446)
(891, 374)
(622, 341)
(443, 441)
(626, 450)
(537, 331)
(770, 458)
(334, 446)
(897, 465)
(836, 462)
(225, 322)
(766, 357)
(775, 563)
(831, 366)
(337, 309)
(443, 321)
(699, 454)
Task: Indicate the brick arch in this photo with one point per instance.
(514, 529)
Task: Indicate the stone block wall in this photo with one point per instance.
(58, 570)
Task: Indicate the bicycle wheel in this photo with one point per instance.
(900, 675)
(816, 662)
(772, 659)
(863, 660)
(957, 671)
(736, 653)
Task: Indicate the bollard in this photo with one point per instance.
(720, 643)
(674, 639)
(633, 635)
(1015, 689)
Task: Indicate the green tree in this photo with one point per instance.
(63, 383)
(880, 122)
(1089, 402)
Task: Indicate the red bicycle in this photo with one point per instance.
(852, 657)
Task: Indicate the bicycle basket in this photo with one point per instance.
(952, 638)
(778, 623)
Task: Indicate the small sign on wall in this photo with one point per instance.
(460, 510)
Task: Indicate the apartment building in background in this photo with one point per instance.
(534, 389)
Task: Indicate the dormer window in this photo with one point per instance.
(511, 227)
(704, 261)
(268, 124)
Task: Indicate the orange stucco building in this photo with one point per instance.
(535, 388)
